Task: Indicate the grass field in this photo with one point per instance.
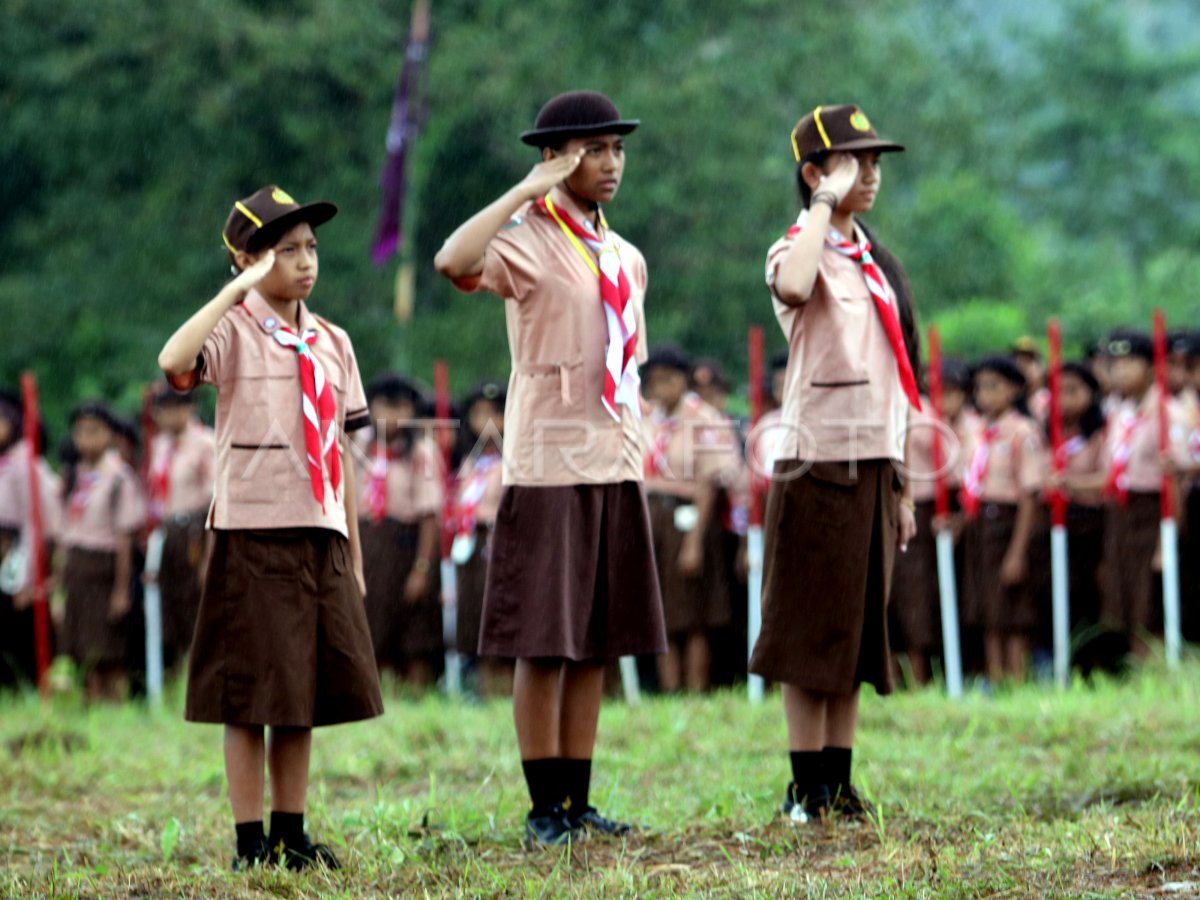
(1092, 792)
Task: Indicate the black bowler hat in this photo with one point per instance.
(667, 356)
(260, 220)
(576, 114)
(1130, 342)
(829, 129)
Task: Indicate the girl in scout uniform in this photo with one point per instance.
(403, 490)
(689, 450)
(281, 636)
(480, 487)
(835, 509)
(183, 457)
(571, 582)
(1000, 498)
(104, 511)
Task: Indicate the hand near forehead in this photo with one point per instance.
(253, 274)
(843, 172)
(548, 173)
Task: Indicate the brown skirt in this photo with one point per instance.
(829, 547)
(1129, 583)
(690, 603)
(470, 582)
(571, 575)
(914, 613)
(90, 637)
(179, 581)
(281, 637)
(401, 630)
(987, 604)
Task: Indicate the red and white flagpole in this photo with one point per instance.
(37, 531)
(1059, 571)
(754, 530)
(1168, 532)
(947, 577)
(151, 587)
(445, 441)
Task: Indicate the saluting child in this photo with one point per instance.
(104, 511)
(1000, 496)
(183, 462)
(401, 507)
(281, 636)
(480, 488)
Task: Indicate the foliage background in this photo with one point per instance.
(1051, 166)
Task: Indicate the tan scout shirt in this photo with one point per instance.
(262, 478)
(1015, 459)
(556, 430)
(493, 490)
(14, 493)
(106, 502)
(416, 482)
(693, 446)
(842, 398)
(1144, 470)
(192, 460)
(922, 472)
(1084, 456)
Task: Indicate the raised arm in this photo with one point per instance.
(797, 272)
(462, 254)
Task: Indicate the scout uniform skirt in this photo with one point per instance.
(281, 636)
(401, 630)
(700, 602)
(914, 613)
(470, 582)
(987, 604)
(1130, 593)
(89, 636)
(179, 580)
(829, 548)
(571, 575)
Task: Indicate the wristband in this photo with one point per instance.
(827, 197)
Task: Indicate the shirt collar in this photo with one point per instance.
(260, 310)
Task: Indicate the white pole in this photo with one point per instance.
(453, 679)
(754, 563)
(948, 591)
(631, 684)
(152, 604)
(1170, 582)
(1060, 592)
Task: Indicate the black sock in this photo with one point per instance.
(287, 829)
(544, 778)
(577, 780)
(807, 771)
(837, 762)
(249, 838)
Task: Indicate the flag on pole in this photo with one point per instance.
(402, 131)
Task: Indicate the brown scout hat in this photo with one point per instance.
(831, 128)
(576, 114)
(258, 221)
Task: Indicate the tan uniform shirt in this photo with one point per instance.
(1015, 463)
(556, 430)
(1084, 457)
(693, 446)
(14, 493)
(262, 477)
(191, 460)
(416, 481)
(107, 502)
(1144, 469)
(493, 490)
(842, 397)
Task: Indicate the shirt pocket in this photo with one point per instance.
(554, 403)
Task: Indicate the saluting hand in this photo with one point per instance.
(252, 275)
(841, 176)
(548, 173)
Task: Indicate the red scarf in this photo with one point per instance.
(656, 456)
(881, 294)
(85, 485)
(320, 413)
(377, 483)
(160, 480)
(621, 382)
(474, 491)
(1128, 423)
(972, 485)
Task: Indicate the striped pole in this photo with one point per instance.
(1059, 580)
(1168, 532)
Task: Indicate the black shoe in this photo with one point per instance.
(308, 854)
(591, 821)
(261, 856)
(812, 807)
(850, 804)
(550, 830)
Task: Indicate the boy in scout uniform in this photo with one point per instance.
(571, 582)
(281, 638)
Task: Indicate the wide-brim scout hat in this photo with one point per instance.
(1128, 342)
(829, 129)
(576, 114)
(260, 220)
(495, 392)
(1026, 346)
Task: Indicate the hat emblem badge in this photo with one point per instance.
(279, 195)
(859, 121)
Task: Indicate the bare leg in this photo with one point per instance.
(806, 718)
(918, 663)
(1018, 654)
(418, 673)
(993, 654)
(579, 712)
(537, 691)
(287, 758)
(698, 662)
(670, 669)
(244, 771)
(496, 677)
(841, 719)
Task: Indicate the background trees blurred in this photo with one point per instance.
(1051, 166)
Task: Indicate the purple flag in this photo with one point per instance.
(402, 131)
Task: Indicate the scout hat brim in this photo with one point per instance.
(576, 114)
(548, 137)
(315, 214)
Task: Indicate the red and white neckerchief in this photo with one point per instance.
(882, 296)
(85, 486)
(1063, 455)
(621, 382)
(320, 412)
(972, 485)
(1128, 423)
(377, 483)
(160, 478)
(473, 492)
(656, 463)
